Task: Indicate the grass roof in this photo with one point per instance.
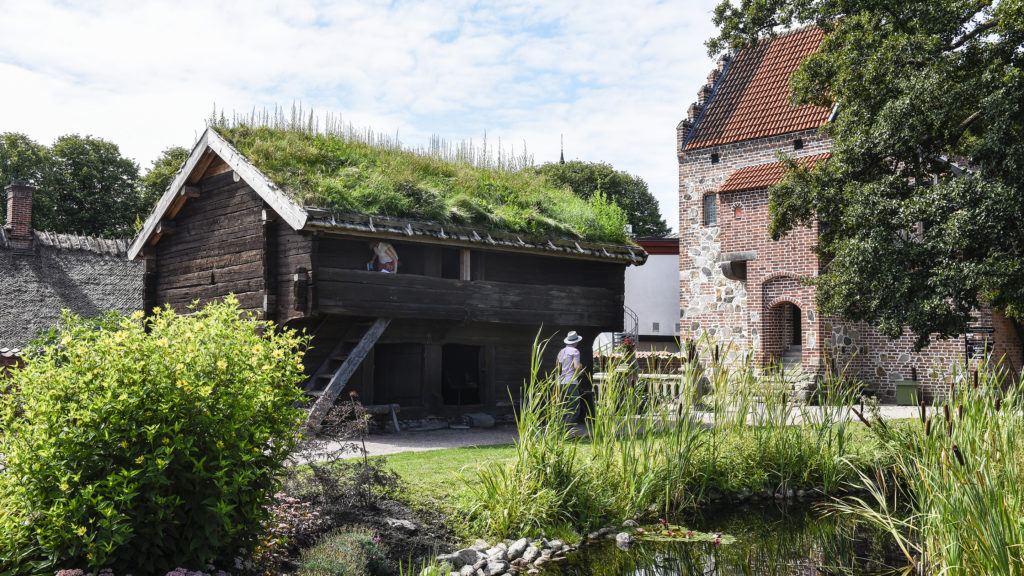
(347, 171)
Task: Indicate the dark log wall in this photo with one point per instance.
(292, 255)
(217, 248)
(506, 288)
(406, 366)
(552, 271)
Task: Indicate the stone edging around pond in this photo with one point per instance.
(523, 555)
(510, 557)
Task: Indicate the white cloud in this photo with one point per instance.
(613, 77)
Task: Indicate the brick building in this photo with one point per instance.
(741, 287)
(42, 273)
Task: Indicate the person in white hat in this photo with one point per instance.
(569, 368)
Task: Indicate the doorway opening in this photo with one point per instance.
(460, 374)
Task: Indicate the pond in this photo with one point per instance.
(770, 541)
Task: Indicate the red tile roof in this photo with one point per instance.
(752, 99)
(764, 175)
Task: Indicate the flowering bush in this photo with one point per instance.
(145, 444)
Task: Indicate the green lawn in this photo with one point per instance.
(435, 474)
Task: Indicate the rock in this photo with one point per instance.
(480, 420)
(540, 562)
(801, 494)
(556, 544)
(531, 553)
(594, 535)
(467, 556)
(630, 524)
(448, 559)
(498, 553)
(533, 572)
(517, 548)
(495, 567)
(467, 570)
(403, 525)
(480, 545)
(623, 541)
(480, 565)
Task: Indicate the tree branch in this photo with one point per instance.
(983, 27)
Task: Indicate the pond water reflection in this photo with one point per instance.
(770, 541)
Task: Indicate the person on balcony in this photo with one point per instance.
(385, 257)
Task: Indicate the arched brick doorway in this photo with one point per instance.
(783, 334)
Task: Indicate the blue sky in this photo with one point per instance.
(612, 78)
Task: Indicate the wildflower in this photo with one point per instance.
(64, 486)
(138, 460)
(220, 443)
(124, 444)
(80, 531)
(166, 441)
(137, 315)
(718, 542)
(65, 340)
(376, 538)
(689, 533)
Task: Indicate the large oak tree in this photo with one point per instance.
(922, 203)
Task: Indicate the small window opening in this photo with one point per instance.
(710, 209)
(460, 374)
(798, 144)
(715, 158)
(655, 327)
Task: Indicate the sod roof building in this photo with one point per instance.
(285, 220)
(745, 290)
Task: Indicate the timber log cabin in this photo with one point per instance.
(451, 332)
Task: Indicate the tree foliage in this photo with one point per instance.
(155, 182)
(922, 201)
(83, 184)
(628, 192)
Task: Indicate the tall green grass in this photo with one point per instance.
(961, 470)
(655, 450)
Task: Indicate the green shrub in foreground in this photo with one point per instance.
(143, 445)
(354, 552)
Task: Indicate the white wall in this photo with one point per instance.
(652, 291)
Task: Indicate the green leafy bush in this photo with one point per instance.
(143, 445)
(354, 552)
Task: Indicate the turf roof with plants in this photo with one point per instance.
(358, 172)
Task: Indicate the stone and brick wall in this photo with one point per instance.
(755, 316)
(732, 311)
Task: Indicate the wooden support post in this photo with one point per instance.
(326, 400)
(465, 264)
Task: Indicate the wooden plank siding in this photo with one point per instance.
(363, 293)
(217, 248)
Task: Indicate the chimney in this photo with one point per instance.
(19, 214)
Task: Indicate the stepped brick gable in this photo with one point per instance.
(747, 291)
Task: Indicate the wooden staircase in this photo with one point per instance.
(333, 374)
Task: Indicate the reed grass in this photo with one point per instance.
(961, 471)
(723, 429)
